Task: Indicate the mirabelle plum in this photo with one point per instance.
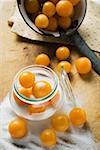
(42, 59)
(83, 65)
(77, 116)
(60, 122)
(27, 79)
(35, 109)
(18, 101)
(66, 66)
(53, 24)
(18, 128)
(48, 137)
(41, 21)
(64, 8)
(31, 6)
(27, 92)
(74, 2)
(62, 53)
(41, 89)
(55, 99)
(64, 22)
(49, 9)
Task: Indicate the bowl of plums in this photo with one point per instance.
(51, 17)
(58, 19)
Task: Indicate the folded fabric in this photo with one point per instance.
(75, 139)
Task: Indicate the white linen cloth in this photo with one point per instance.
(75, 139)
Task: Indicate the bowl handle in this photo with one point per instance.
(84, 49)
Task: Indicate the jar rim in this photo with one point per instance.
(37, 100)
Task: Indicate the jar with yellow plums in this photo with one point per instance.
(36, 93)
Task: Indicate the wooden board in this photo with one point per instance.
(16, 53)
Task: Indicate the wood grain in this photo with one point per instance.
(16, 53)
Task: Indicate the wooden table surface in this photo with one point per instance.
(16, 53)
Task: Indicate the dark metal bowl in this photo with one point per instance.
(80, 11)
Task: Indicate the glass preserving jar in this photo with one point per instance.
(52, 102)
